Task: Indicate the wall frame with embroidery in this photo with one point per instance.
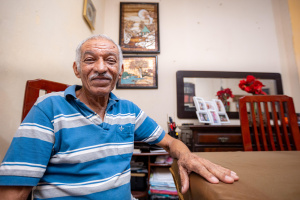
(139, 27)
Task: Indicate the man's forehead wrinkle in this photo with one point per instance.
(100, 43)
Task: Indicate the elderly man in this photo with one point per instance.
(78, 144)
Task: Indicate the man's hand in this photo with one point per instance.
(189, 162)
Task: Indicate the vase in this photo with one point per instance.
(226, 105)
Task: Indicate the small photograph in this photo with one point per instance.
(215, 117)
(203, 117)
(199, 103)
(210, 105)
(219, 105)
(224, 118)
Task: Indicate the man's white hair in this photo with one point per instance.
(100, 36)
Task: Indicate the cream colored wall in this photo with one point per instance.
(288, 65)
(214, 35)
(294, 8)
(38, 39)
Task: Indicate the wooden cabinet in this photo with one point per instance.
(149, 159)
(213, 137)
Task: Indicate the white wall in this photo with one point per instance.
(38, 39)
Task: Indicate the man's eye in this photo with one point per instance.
(111, 61)
(89, 60)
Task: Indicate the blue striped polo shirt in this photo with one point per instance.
(65, 149)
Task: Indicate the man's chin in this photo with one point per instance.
(101, 91)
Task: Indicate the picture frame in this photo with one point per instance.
(139, 27)
(140, 72)
(224, 119)
(215, 119)
(204, 116)
(219, 105)
(210, 105)
(200, 104)
(89, 13)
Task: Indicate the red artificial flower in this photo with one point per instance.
(251, 85)
(224, 94)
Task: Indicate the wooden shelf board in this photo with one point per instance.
(160, 165)
(149, 154)
(139, 194)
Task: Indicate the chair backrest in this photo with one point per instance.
(33, 89)
(269, 122)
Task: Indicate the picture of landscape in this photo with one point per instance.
(139, 72)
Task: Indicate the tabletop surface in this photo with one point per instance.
(263, 175)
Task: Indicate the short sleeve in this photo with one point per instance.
(146, 129)
(30, 150)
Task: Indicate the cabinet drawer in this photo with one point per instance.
(218, 138)
(217, 149)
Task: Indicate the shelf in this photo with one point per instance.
(149, 159)
(160, 165)
(139, 194)
(149, 154)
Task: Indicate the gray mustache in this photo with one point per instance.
(98, 75)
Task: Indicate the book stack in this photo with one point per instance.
(162, 185)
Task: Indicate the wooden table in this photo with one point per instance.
(263, 176)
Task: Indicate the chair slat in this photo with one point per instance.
(261, 127)
(255, 127)
(268, 126)
(284, 127)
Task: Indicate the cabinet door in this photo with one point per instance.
(217, 138)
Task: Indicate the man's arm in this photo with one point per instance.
(188, 162)
(15, 192)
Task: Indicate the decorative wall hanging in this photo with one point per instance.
(140, 72)
(139, 27)
(89, 13)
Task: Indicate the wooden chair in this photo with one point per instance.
(33, 89)
(269, 122)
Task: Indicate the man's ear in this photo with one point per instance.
(76, 72)
(121, 72)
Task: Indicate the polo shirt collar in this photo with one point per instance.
(71, 91)
(113, 97)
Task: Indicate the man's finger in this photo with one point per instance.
(221, 173)
(203, 171)
(184, 179)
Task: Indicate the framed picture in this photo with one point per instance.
(214, 117)
(224, 118)
(140, 72)
(139, 27)
(89, 13)
(199, 103)
(219, 105)
(210, 105)
(204, 117)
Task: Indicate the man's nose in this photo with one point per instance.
(100, 66)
